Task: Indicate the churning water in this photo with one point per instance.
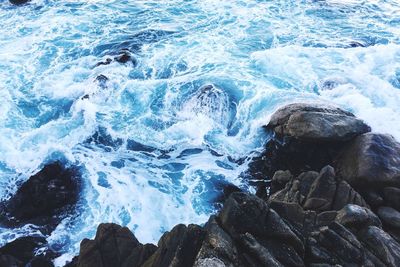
(158, 136)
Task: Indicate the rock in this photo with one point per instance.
(389, 216)
(113, 246)
(217, 248)
(124, 57)
(392, 197)
(318, 192)
(249, 220)
(279, 180)
(382, 245)
(371, 161)
(322, 191)
(343, 247)
(19, 2)
(102, 81)
(214, 102)
(316, 122)
(106, 62)
(29, 251)
(178, 248)
(44, 197)
(354, 216)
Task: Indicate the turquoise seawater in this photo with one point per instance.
(153, 141)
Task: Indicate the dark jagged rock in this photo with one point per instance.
(25, 251)
(19, 2)
(354, 216)
(292, 155)
(318, 192)
(124, 56)
(113, 246)
(177, 248)
(217, 248)
(316, 122)
(44, 197)
(382, 245)
(371, 161)
(248, 219)
(306, 137)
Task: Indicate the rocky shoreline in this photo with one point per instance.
(328, 194)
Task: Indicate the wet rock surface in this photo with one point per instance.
(44, 199)
(27, 251)
(316, 122)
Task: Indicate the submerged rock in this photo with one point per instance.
(213, 101)
(19, 2)
(44, 198)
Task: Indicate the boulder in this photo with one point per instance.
(371, 161)
(354, 216)
(381, 245)
(113, 246)
(389, 216)
(44, 198)
(316, 122)
(27, 251)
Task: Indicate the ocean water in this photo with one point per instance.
(158, 138)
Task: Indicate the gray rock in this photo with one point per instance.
(389, 216)
(318, 192)
(113, 246)
(218, 247)
(177, 248)
(371, 161)
(322, 191)
(392, 197)
(316, 122)
(382, 245)
(354, 216)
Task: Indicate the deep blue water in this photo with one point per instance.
(158, 135)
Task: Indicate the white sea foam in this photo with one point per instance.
(259, 54)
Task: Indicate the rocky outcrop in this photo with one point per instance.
(113, 246)
(316, 122)
(26, 251)
(317, 191)
(305, 137)
(248, 232)
(44, 198)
